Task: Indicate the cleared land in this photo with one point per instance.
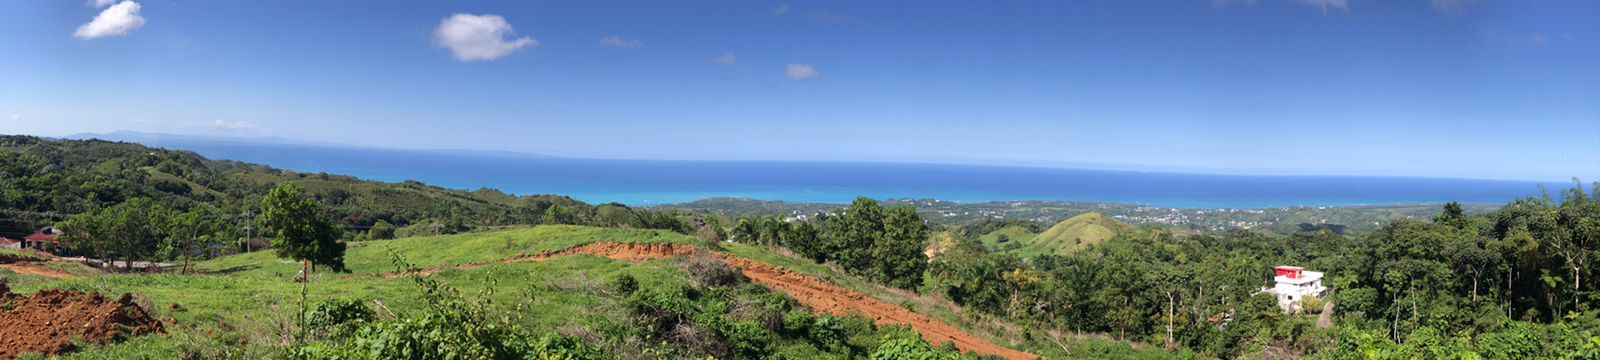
(244, 304)
(1065, 237)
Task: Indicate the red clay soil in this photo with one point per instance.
(809, 291)
(33, 269)
(48, 321)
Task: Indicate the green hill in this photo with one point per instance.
(42, 180)
(245, 304)
(1064, 237)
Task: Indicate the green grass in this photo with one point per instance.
(1015, 233)
(1065, 237)
(251, 299)
(372, 257)
(13, 255)
(250, 296)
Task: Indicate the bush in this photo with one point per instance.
(911, 349)
(338, 317)
(452, 327)
(709, 272)
(625, 284)
(1311, 305)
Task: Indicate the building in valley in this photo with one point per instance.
(1294, 284)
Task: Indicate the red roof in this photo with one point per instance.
(41, 237)
(7, 241)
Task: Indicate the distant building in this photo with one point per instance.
(6, 243)
(1294, 284)
(47, 239)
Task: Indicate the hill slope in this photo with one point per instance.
(42, 180)
(1064, 237)
(240, 303)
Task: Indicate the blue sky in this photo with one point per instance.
(1450, 88)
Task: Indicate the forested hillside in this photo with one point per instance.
(44, 180)
(1512, 284)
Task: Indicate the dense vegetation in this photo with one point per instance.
(885, 245)
(147, 203)
(42, 181)
(1515, 283)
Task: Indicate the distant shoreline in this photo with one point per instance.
(662, 183)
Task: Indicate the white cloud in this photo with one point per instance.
(102, 3)
(619, 41)
(801, 72)
(1452, 8)
(725, 59)
(782, 9)
(479, 37)
(224, 124)
(1324, 5)
(116, 20)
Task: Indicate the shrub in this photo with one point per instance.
(451, 327)
(338, 317)
(1311, 305)
(709, 272)
(624, 284)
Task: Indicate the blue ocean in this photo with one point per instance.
(641, 182)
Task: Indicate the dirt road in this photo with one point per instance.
(816, 294)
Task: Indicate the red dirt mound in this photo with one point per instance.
(48, 321)
(809, 291)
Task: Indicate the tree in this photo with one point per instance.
(191, 228)
(300, 228)
(802, 238)
(613, 215)
(898, 257)
(557, 214)
(382, 230)
(132, 229)
(851, 239)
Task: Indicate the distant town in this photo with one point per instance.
(1284, 220)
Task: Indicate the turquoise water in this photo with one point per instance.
(660, 182)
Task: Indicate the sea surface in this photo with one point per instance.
(642, 182)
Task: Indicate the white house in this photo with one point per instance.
(1294, 284)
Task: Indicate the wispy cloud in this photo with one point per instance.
(1452, 8)
(800, 72)
(728, 59)
(101, 3)
(621, 42)
(782, 9)
(116, 20)
(225, 124)
(479, 37)
(825, 16)
(1324, 5)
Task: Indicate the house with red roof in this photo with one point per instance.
(47, 239)
(7, 243)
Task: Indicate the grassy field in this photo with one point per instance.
(251, 298)
(246, 305)
(1064, 237)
